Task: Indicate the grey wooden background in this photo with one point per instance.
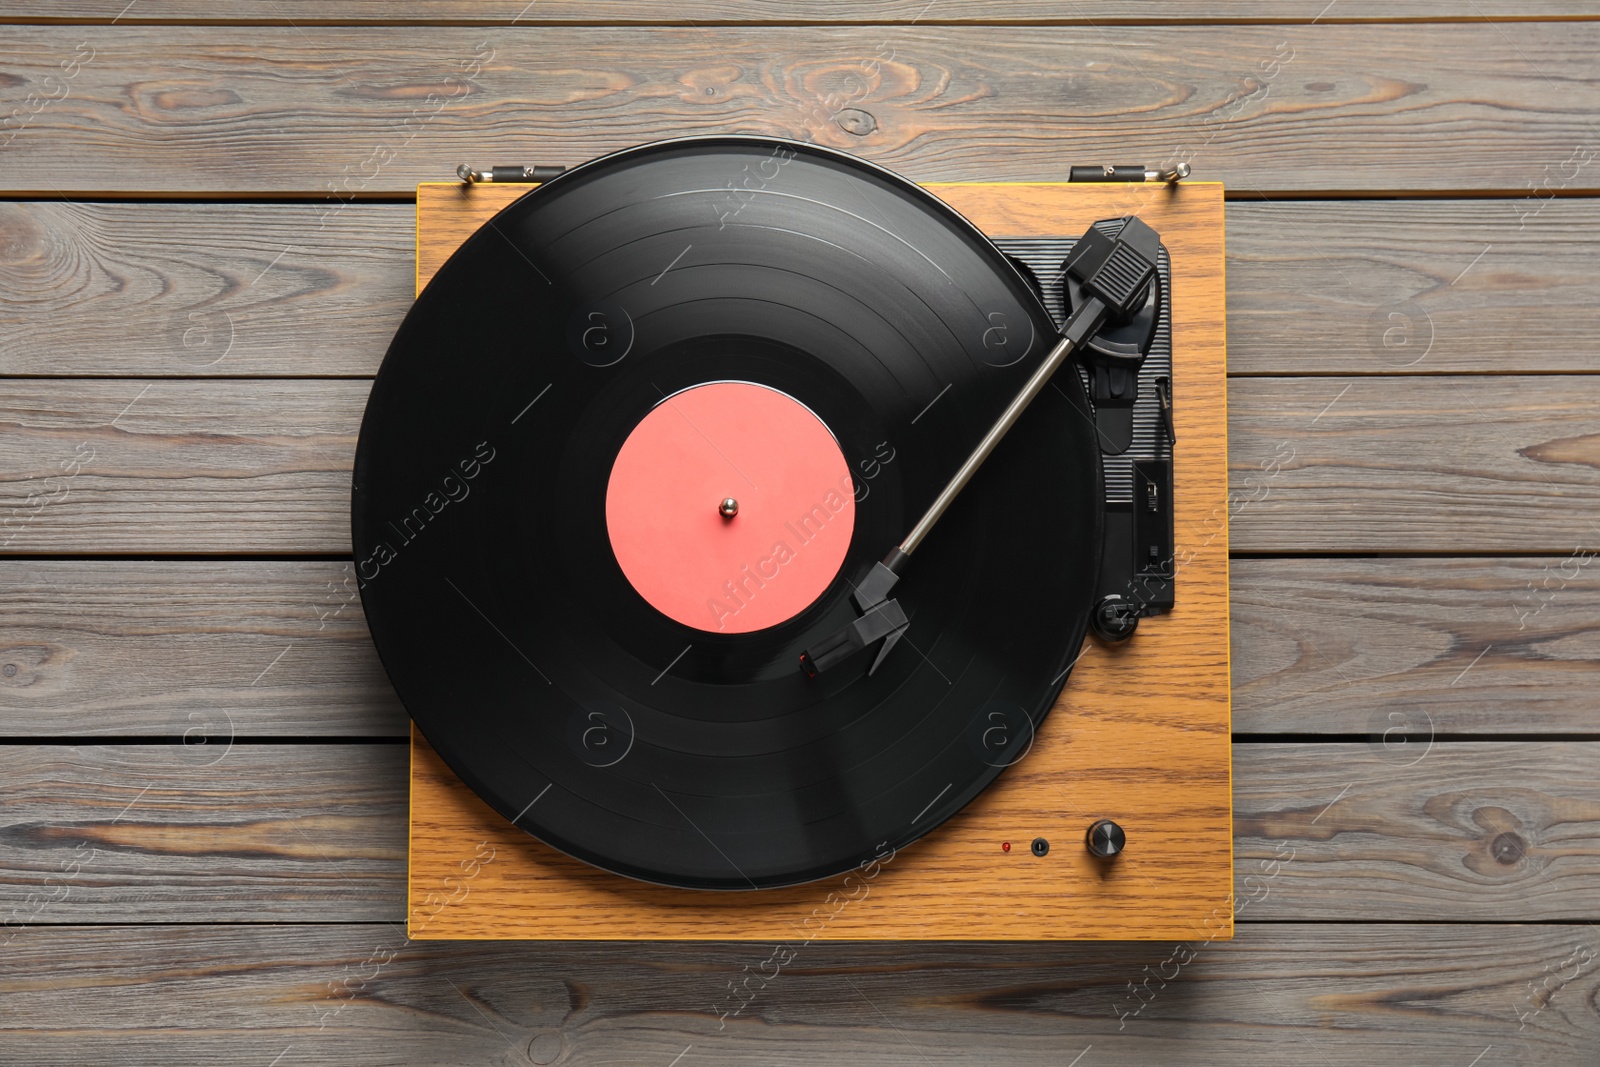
(205, 243)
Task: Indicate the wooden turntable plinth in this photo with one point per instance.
(1140, 735)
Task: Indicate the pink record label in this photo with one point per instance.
(740, 448)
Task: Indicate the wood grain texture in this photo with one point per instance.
(1408, 465)
(1414, 466)
(177, 466)
(106, 288)
(1413, 287)
(895, 12)
(1322, 644)
(1367, 646)
(202, 832)
(1392, 648)
(953, 885)
(1166, 775)
(195, 650)
(1418, 829)
(1428, 996)
(200, 289)
(341, 112)
(1381, 831)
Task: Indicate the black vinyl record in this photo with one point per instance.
(527, 658)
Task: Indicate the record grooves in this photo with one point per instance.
(670, 752)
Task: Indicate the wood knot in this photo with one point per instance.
(25, 665)
(1499, 848)
(546, 1047)
(854, 121)
(1508, 848)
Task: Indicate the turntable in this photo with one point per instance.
(733, 518)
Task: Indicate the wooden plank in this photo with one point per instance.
(207, 832)
(200, 289)
(105, 288)
(1412, 287)
(341, 112)
(1432, 996)
(1419, 831)
(1320, 646)
(1416, 465)
(1404, 465)
(196, 650)
(893, 12)
(177, 466)
(1452, 831)
(1426, 647)
(164, 290)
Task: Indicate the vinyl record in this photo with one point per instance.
(538, 495)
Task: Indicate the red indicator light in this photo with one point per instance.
(1005, 846)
